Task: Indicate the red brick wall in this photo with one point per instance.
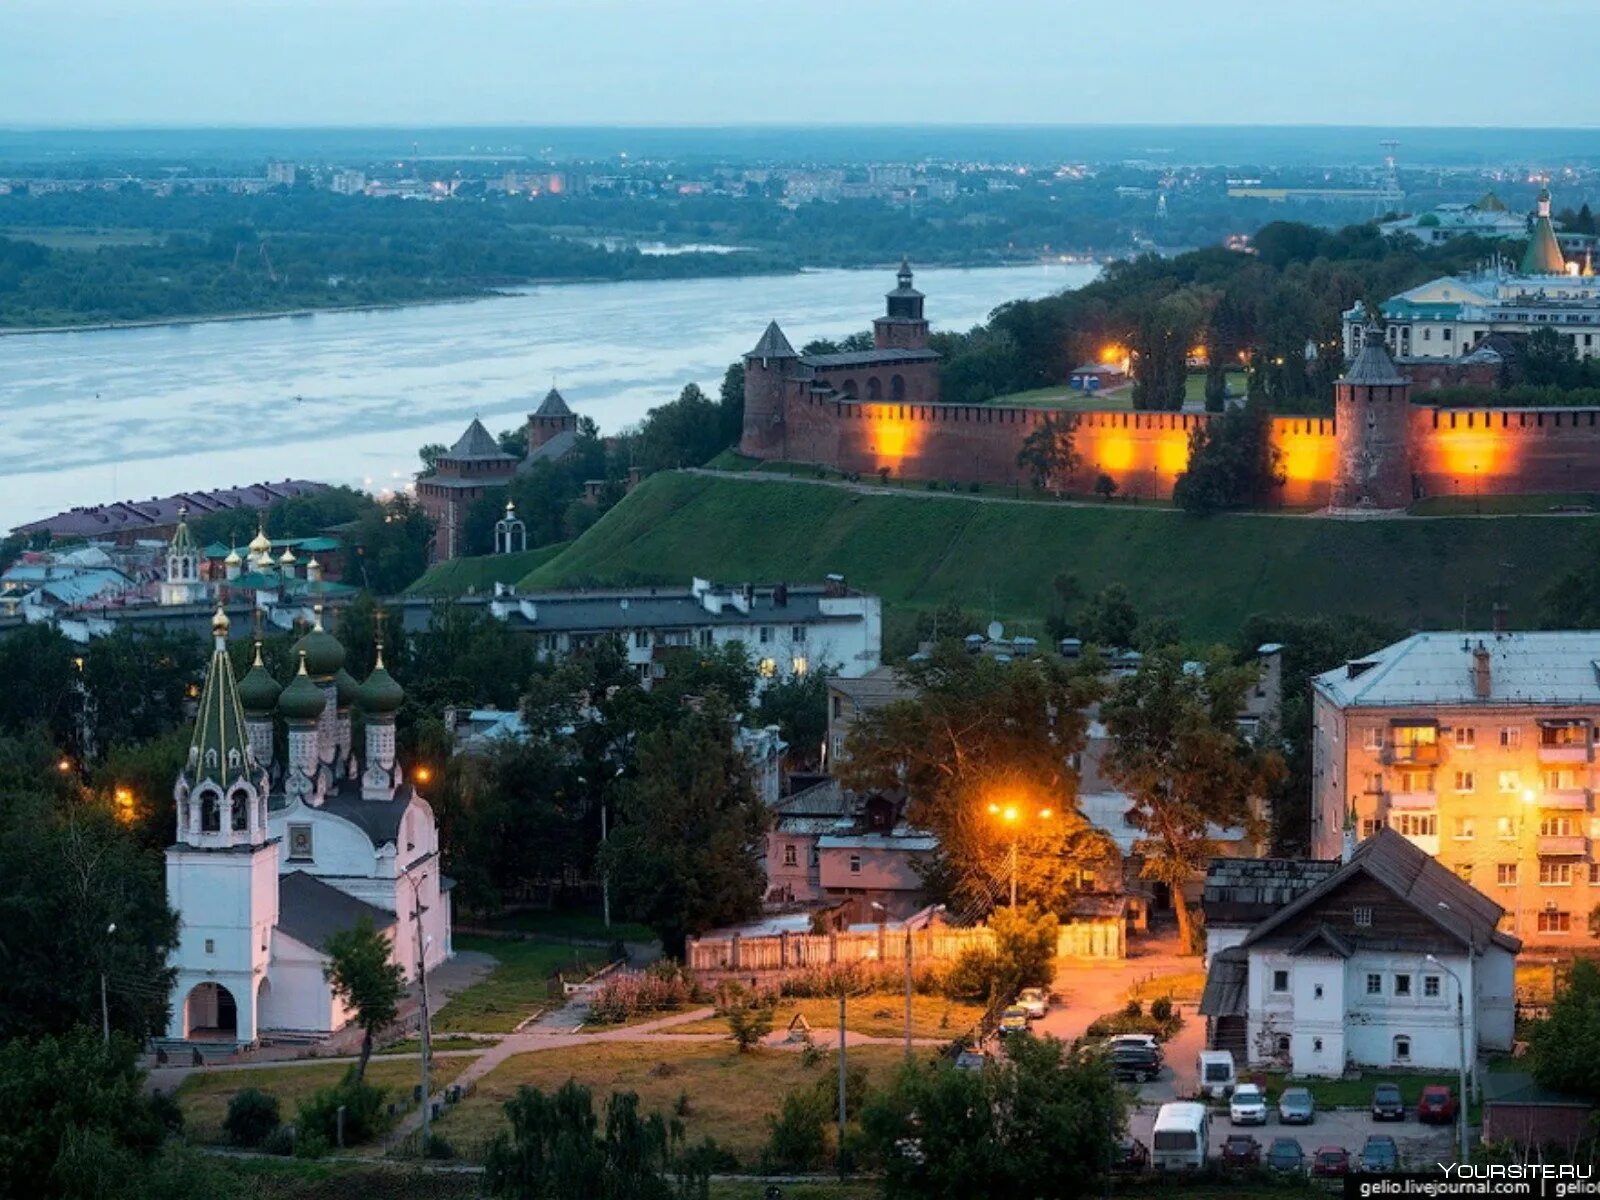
(1478, 451)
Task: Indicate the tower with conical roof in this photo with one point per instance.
(1543, 255)
(222, 868)
(551, 419)
(1372, 430)
(770, 368)
(459, 476)
(324, 663)
(381, 698)
(258, 696)
(902, 326)
(182, 584)
(302, 705)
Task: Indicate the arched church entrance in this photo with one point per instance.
(210, 1011)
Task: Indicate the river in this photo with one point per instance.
(348, 397)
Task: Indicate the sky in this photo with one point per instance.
(713, 62)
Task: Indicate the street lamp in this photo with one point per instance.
(1461, 1031)
(605, 836)
(1013, 816)
(105, 1009)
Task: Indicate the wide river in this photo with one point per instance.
(112, 414)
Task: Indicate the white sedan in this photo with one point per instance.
(1035, 1000)
(1248, 1106)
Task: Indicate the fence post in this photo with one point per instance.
(733, 949)
(833, 947)
(783, 948)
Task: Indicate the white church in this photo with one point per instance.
(272, 858)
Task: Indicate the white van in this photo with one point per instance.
(1215, 1070)
(1181, 1140)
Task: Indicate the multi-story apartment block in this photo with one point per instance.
(1479, 748)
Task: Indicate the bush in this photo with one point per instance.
(797, 1138)
(933, 485)
(749, 1014)
(252, 1117)
(1133, 1009)
(973, 975)
(665, 987)
(364, 1117)
(1161, 1008)
(280, 1141)
(437, 1148)
(1123, 1022)
(974, 487)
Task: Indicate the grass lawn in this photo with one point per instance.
(1544, 503)
(729, 1094)
(1342, 1093)
(1185, 986)
(728, 1189)
(204, 1095)
(1065, 398)
(918, 552)
(414, 1045)
(462, 575)
(333, 1179)
(882, 1015)
(565, 923)
(516, 988)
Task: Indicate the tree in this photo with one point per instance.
(1549, 358)
(730, 403)
(1105, 487)
(749, 1015)
(1042, 1126)
(1110, 619)
(555, 1148)
(1047, 452)
(361, 973)
(685, 433)
(390, 545)
(684, 857)
(979, 733)
(1233, 462)
(136, 680)
(1565, 1046)
(1177, 753)
(798, 706)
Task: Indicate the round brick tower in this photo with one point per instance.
(767, 370)
(1372, 430)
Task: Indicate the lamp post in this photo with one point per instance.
(1461, 1032)
(605, 835)
(1012, 815)
(423, 943)
(105, 1008)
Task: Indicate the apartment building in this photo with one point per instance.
(1479, 748)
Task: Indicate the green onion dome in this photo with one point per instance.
(302, 700)
(381, 694)
(324, 655)
(258, 690)
(349, 690)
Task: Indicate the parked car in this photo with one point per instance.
(971, 1059)
(1148, 1040)
(1380, 1154)
(1330, 1162)
(1217, 1075)
(1386, 1103)
(1034, 1001)
(1131, 1157)
(1437, 1105)
(1248, 1105)
(1296, 1106)
(1137, 1063)
(1287, 1156)
(1241, 1150)
(1014, 1020)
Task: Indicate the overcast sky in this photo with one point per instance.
(408, 62)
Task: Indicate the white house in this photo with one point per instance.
(1391, 961)
(274, 857)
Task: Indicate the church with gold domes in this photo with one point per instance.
(280, 847)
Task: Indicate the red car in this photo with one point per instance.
(1437, 1105)
(1330, 1162)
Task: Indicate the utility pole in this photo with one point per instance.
(105, 1008)
(841, 1084)
(427, 1037)
(908, 992)
(1013, 871)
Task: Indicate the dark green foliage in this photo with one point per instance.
(1521, 395)
(798, 706)
(297, 516)
(685, 433)
(252, 1117)
(1161, 1008)
(1047, 452)
(1565, 1046)
(798, 1136)
(365, 1115)
(361, 974)
(1043, 1128)
(1232, 463)
(557, 1148)
(388, 546)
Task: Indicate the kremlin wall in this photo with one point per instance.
(878, 409)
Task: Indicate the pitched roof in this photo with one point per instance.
(220, 749)
(1550, 668)
(1227, 984)
(1242, 891)
(478, 443)
(378, 819)
(868, 358)
(1373, 366)
(1417, 879)
(1543, 256)
(553, 406)
(311, 911)
(773, 345)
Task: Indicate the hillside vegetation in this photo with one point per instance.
(921, 551)
(462, 575)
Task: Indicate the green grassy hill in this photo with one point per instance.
(921, 550)
(462, 575)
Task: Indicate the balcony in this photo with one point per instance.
(1557, 845)
(1568, 799)
(1568, 753)
(1412, 801)
(1421, 754)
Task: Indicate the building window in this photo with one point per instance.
(765, 634)
(815, 856)
(1558, 779)
(1402, 1049)
(800, 664)
(1510, 781)
(1374, 984)
(708, 639)
(1372, 739)
(1283, 1043)
(1465, 782)
(1563, 735)
(1554, 825)
(1464, 871)
(1369, 826)
(838, 706)
(1402, 985)
(1418, 824)
(1416, 781)
(1505, 828)
(1280, 981)
(299, 843)
(1505, 874)
(1594, 874)
(1466, 737)
(1362, 916)
(855, 864)
(797, 634)
(211, 946)
(791, 856)
(768, 667)
(1510, 737)
(1555, 922)
(1555, 874)
(1465, 828)
(1316, 1045)
(1430, 986)
(1375, 784)
(641, 639)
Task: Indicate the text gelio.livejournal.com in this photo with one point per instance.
(1541, 1180)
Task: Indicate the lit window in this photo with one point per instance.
(1510, 781)
(768, 668)
(801, 666)
(1280, 981)
(1362, 916)
(1505, 828)
(1465, 827)
(1418, 824)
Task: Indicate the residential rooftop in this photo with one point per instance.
(1430, 669)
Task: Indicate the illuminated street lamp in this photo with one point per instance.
(1014, 815)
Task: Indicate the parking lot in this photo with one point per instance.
(1421, 1146)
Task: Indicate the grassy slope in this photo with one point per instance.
(480, 574)
(1208, 573)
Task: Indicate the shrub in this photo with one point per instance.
(797, 1138)
(664, 987)
(1161, 1008)
(1133, 1009)
(933, 485)
(973, 975)
(252, 1117)
(437, 1148)
(749, 1014)
(974, 487)
(1123, 1022)
(280, 1141)
(364, 1117)
(883, 475)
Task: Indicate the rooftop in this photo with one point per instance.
(98, 520)
(1243, 891)
(1546, 668)
(636, 608)
(868, 358)
(477, 444)
(311, 911)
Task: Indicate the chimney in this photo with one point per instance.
(1501, 613)
(1480, 672)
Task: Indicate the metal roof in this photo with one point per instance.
(97, 520)
(1243, 891)
(553, 406)
(772, 344)
(868, 358)
(1545, 668)
(665, 608)
(1227, 984)
(477, 444)
(311, 911)
(1373, 367)
(378, 819)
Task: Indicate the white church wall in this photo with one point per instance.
(301, 999)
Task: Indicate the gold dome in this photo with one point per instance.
(220, 623)
(287, 558)
(261, 543)
(233, 559)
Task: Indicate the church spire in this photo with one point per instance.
(1543, 256)
(221, 791)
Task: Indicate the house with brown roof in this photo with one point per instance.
(1391, 961)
